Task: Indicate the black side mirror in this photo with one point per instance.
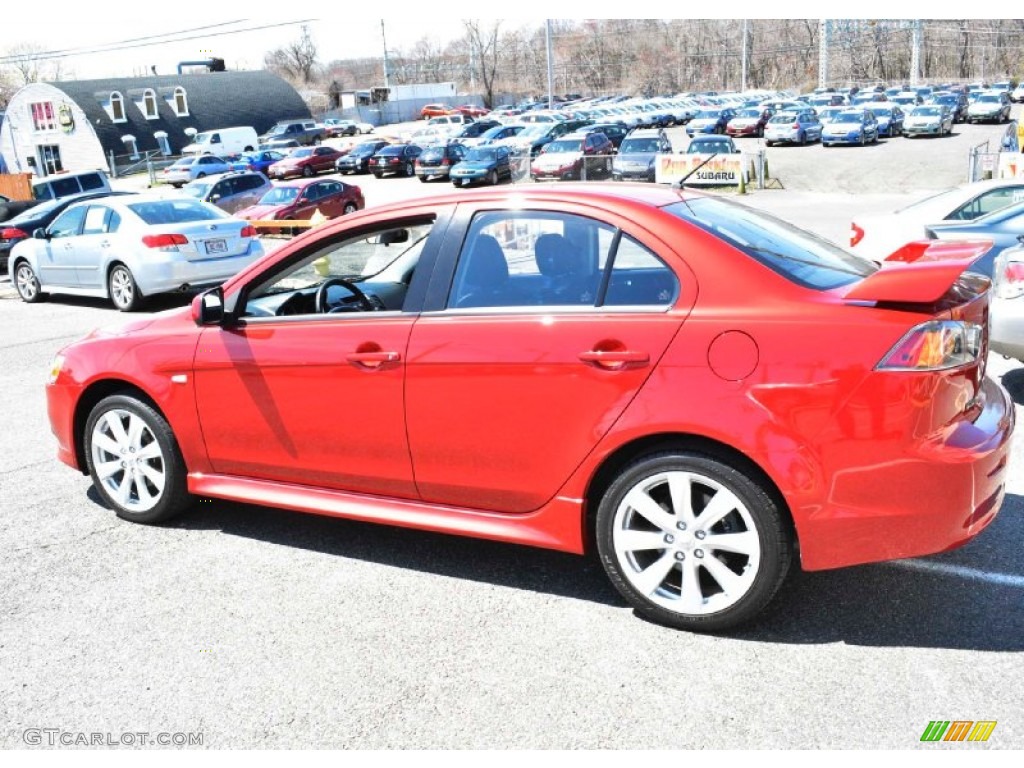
(40, 234)
(208, 307)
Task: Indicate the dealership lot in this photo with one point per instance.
(265, 628)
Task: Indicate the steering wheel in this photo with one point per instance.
(321, 295)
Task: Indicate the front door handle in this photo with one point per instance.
(372, 359)
(615, 359)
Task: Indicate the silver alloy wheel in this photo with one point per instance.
(122, 291)
(128, 460)
(26, 281)
(686, 560)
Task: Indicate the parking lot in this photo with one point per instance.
(261, 628)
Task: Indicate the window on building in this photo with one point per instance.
(43, 116)
(180, 102)
(49, 159)
(117, 107)
(162, 142)
(131, 146)
(149, 104)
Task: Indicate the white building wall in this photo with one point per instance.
(80, 148)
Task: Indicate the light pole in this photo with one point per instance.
(385, 41)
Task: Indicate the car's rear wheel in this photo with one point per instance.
(27, 284)
(692, 542)
(308, 171)
(123, 290)
(349, 208)
(377, 175)
(134, 460)
(410, 169)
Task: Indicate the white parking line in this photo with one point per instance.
(1003, 579)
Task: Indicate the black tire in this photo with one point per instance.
(801, 138)
(410, 169)
(316, 141)
(349, 208)
(492, 178)
(377, 175)
(423, 179)
(308, 172)
(173, 498)
(122, 289)
(690, 547)
(26, 283)
(248, 148)
(201, 175)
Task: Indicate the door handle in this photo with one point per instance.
(615, 359)
(372, 359)
(105, 244)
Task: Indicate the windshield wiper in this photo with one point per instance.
(681, 184)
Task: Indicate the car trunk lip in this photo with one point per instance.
(920, 272)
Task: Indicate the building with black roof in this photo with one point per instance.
(78, 124)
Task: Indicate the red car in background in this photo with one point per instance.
(694, 390)
(305, 161)
(434, 110)
(300, 200)
(470, 110)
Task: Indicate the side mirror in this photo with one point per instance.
(214, 198)
(208, 307)
(40, 234)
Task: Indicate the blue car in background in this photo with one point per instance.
(889, 117)
(710, 121)
(257, 161)
(851, 126)
(1002, 226)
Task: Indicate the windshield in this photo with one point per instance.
(184, 162)
(749, 113)
(564, 145)
(783, 119)
(304, 152)
(534, 131)
(202, 138)
(639, 145)
(988, 97)
(481, 155)
(363, 150)
(179, 211)
(280, 196)
(198, 191)
(848, 117)
(927, 111)
(709, 114)
(800, 256)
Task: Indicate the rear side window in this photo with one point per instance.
(90, 181)
(799, 256)
(65, 187)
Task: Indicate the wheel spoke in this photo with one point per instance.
(633, 541)
(679, 488)
(104, 443)
(145, 497)
(113, 420)
(691, 598)
(149, 451)
(731, 584)
(124, 490)
(108, 468)
(742, 543)
(156, 477)
(136, 426)
(720, 505)
(649, 579)
(648, 508)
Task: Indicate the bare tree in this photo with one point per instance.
(484, 53)
(24, 61)
(298, 60)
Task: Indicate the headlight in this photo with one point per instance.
(55, 369)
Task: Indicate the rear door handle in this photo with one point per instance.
(615, 359)
(372, 359)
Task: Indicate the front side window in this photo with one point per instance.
(988, 203)
(69, 223)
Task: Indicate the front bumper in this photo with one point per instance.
(844, 138)
(922, 130)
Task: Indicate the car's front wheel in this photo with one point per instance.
(27, 284)
(134, 460)
(692, 542)
(123, 290)
(308, 171)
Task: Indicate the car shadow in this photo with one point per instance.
(1013, 382)
(155, 303)
(900, 604)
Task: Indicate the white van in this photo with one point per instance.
(223, 142)
(60, 185)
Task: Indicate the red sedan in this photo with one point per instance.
(300, 200)
(305, 161)
(434, 110)
(697, 391)
(470, 110)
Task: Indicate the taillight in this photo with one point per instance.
(796, 125)
(248, 231)
(1009, 278)
(445, 161)
(165, 242)
(936, 345)
(856, 234)
(12, 233)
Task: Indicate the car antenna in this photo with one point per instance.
(681, 184)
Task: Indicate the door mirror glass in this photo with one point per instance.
(208, 307)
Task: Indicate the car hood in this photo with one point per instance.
(640, 158)
(474, 165)
(261, 211)
(557, 159)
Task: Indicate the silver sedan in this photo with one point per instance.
(128, 247)
(1007, 310)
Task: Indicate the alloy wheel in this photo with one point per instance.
(128, 460)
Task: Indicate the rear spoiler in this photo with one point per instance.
(920, 272)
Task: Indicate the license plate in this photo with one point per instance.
(216, 246)
(465, 182)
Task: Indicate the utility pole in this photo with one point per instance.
(551, 64)
(915, 54)
(743, 73)
(385, 41)
(824, 29)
